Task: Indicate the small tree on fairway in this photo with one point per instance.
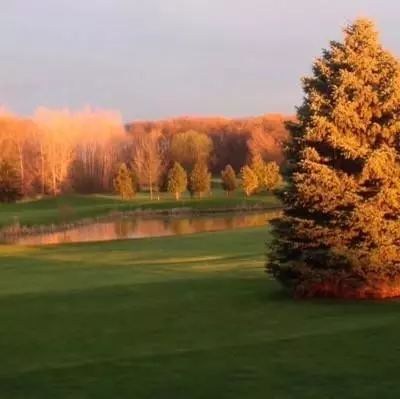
(272, 177)
(249, 180)
(340, 234)
(258, 167)
(200, 180)
(10, 183)
(229, 181)
(177, 180)
(125, 182)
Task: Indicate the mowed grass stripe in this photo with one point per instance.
(203, 321)
(283, 369)
(82, 266)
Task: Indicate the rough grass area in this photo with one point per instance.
(182, 317)
(74, 207)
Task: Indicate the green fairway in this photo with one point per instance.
(182, 317)
(66, 209)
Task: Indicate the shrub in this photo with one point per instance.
(10, 183)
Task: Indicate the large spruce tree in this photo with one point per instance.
(340, 234)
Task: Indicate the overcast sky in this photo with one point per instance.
(159, 58)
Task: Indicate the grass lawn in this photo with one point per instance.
(182, 317)
(69, 208)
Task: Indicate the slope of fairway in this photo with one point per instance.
(182, 317)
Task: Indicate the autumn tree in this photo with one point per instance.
(258, 167)
(177, 180)
(267, 136)
(249, 179)
(340, 234)
(125, 182)
(10, 183)
(17, 147)
(58, 143)
(99, 150)
(147, 160)
(229, 181)
(200, 180)
(272, 176)
(191, 147)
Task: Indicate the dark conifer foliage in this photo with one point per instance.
(340, 234)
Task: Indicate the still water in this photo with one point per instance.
(131, 228)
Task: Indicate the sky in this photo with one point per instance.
(163, 58)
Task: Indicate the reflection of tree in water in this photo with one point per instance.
(230, 222)
(180, 226)
(155, 227)
(125, 228)
(167, 222)
(66, 238)
(204, 224)
(256, 220)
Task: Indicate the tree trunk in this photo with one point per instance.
(21, 165)
(151, 183)
(54, 185)
(42, 167)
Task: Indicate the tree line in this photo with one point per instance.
(253, 178)
(57, 151)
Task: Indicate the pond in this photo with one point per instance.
(142, 227)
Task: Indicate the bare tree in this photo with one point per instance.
(17, 146)
(147, 159)
(57, 136)
(99, 149)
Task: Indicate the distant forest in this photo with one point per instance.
(57, 151)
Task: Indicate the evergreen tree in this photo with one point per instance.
(200, 180)
(340, 234)
(10, 183)
(125, 182)
(272, 177)
(249, 179)
(177, 180)
(229, 181)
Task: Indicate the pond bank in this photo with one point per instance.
(15, 231)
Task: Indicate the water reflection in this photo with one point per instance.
(147, 227)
